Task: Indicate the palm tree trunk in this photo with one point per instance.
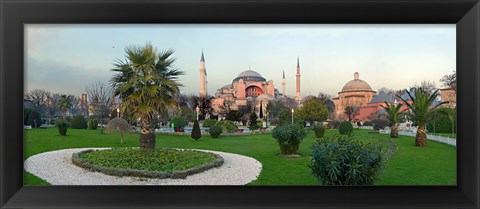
(147, 137)
(394, 131)
(421, 137)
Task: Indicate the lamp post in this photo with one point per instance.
(292, 114)
(118, 112)
(197, 109)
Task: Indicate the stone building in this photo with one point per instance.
(355, 93)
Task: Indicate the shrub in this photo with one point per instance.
(234, 115)
(380, 124)
(289, 137)
(368, 123)
(227, 126)
(62, 127)
(26, 112)
(179, 122)
(442, 123)
(209, 122)
(215, 131)
(253, 121)
(345, 128)
(93, 124)
(79, 122)
(334, 124)
(34, 119)
(340, 160)
(319, 130)
(196, 133)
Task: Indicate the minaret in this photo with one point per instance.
(203, 77)
(283, 83)
(297, 95)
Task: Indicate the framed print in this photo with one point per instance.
(276, 104)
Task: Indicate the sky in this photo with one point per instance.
(67, 58)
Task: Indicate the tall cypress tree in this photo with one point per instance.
(196, 133)
(261, 110)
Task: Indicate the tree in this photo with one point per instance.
(120, 125)
(101, 100)
(147, 85)
(313, 110)
(52, 106)
(64, 104)
(234, 115)
(261, 110)
(203, 103)
(450, 81)
(427, 86)
(196, 133)
(351, 112)
(422, 110)
(39, 99)
(394, 114)
(253, 121)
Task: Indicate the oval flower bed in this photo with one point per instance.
(159, 163)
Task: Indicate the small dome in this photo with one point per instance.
(382, 97)
(382, 112)
(249, 75)
(356, 85)
(306, 99)
(264, 97)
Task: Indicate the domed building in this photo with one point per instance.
(248, 86)
(374, 107)
(356, 93)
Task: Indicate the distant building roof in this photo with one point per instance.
(382, 97)
(250, 75)
(356, 85)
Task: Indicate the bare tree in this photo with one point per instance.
(52, 105)
(39, 99)
(351, 112)
(324, 97)
(101, 100)
(450, 80)
(428, 86)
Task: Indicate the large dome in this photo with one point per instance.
(249, 75)
(356, 85)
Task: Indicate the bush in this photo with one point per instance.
(209, 122)
(79, 122)
(340, 160)
(334, 124)
(196, 133)
(380, 124)
(227, 126)
(34, 119)
(93, 124)
(215, 131)
(62, 127)
(289, 137)
(345, 128)
(253, 121)
(442, 123)
(319, 130)
(234, 115)
(179, 122)
(368, 123)
(26, 112)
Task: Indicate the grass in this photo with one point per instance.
(166, 160)
(409, 165)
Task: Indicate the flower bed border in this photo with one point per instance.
(76, 160)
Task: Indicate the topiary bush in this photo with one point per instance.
(319, 130)
(78, 122)
(340, 160)
(209, 122)
(179, 123)
(34, 119)
(93, 124)
(289, 137)
(62, 127)
(196, 133)
(227, 126)
(380, 124)
(345, 128)
(26, 112)
(215, 131)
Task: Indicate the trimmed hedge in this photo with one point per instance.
(209, 122)
(178, 174)
(215, 131)
(78, 122)
(227, 126)
(380, 124)
(345, 128)
(34, 119)
(196, 133)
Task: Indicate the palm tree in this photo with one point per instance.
(64, 103)
(394, 114)
(422, 110)
(147, 84)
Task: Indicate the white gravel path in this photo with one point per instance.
(56, 168)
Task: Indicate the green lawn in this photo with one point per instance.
(409, 165)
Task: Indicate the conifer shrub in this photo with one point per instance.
(319, 130)
(196, 133)
(253, 121)
(289, 137)
(34, 119)
(380, 124)
(78, 122)
(62, 127)
(93, 124)
(345, 128)
(227, 126)
(341, 160)
(209, 122)
(215, 131)
(26, 112)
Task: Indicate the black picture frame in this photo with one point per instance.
(14, 13)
